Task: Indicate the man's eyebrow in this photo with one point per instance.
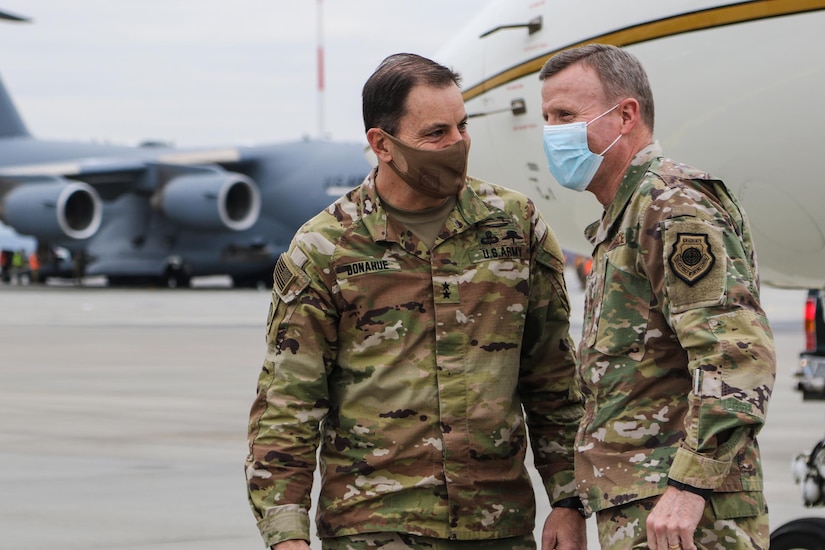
(433, 127)
(442, 125)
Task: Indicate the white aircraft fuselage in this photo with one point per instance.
(738, 90)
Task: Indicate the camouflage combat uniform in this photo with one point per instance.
(677, 356)
(417, 362)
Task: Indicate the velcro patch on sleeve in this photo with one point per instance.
(695, 264)
(290, 280)
(551, 253)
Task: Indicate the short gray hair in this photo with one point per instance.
(619, 71)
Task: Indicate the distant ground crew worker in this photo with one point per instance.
(5, 265)
(18, 262)
(583, 265)
(677, 359)
(34, 267)
(79, 266)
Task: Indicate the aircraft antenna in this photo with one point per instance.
(320, 61)
(8, 16)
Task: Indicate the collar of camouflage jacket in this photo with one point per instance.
(468, 211)
(599, 231)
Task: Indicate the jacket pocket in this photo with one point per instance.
(743, 504)
(623, 314)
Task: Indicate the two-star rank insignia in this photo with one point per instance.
(692, 257)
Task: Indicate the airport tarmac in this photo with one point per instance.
(123, 416)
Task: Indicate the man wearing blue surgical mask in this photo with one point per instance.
(569, 157)
(677, 358)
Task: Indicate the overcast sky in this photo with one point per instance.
(207, 72)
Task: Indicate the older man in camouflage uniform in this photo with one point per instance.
(677, 358)
(418, 320)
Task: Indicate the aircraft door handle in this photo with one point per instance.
(533, 26)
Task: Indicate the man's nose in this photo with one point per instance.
(456, 135)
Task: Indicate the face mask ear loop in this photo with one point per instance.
(611, 145)
(603, 114)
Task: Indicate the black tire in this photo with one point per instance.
(176, 277)
(800, 534)
(116, 281)
(262, 281)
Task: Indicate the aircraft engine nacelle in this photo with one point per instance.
(52, 209)
(211, 201)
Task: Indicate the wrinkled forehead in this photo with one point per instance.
(573, 86)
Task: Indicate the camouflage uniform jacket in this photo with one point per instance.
(418, 362)
(677, 358)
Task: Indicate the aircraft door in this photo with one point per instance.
(506, 123)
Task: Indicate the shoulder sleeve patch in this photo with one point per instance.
(691, 257)
(695, 264)
(551, 253)
(290, 280)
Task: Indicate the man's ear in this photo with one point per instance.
(379, 144)
(631, 115)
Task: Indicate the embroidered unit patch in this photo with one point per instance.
(692, 257)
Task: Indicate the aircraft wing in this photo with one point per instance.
(64, 199)
(164, 213)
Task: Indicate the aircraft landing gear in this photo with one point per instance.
(800, 534)
(805, 533)
(260, 281)
(177, 274)
(176, 277)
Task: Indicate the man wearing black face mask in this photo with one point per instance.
(414, 324)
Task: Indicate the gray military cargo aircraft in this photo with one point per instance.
(155, 214)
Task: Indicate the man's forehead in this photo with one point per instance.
(426, 105)
(576, 82)
(428, 93)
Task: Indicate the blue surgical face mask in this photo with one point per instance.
(571, 161)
